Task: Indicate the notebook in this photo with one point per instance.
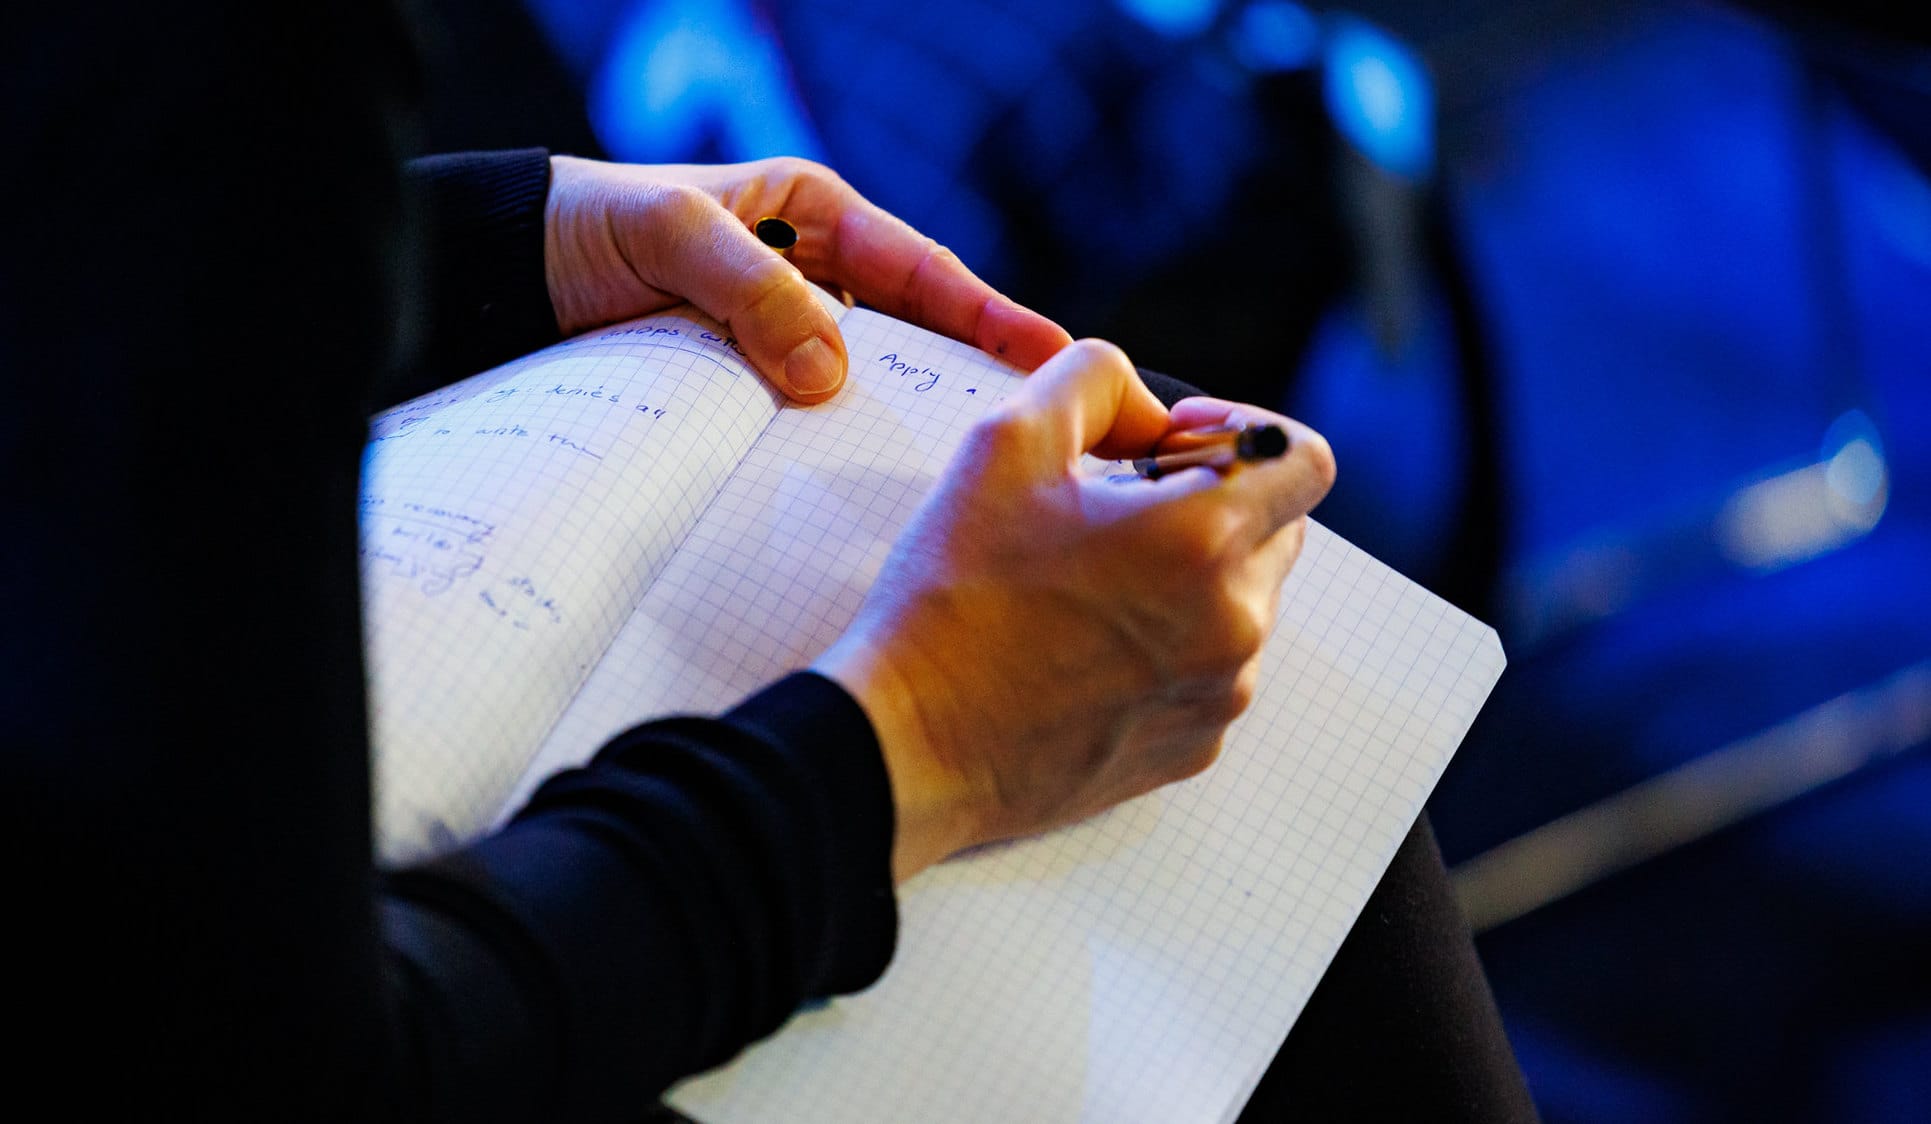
(631, 523)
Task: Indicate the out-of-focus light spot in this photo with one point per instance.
(1856, 474)
(1377, 91)
(1801, 514)
(678, 64)
(1380, 97)
(1854, 468)
(1175, 18)
(685, 73)
(1276, 36)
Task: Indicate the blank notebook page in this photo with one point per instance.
(1142, 966)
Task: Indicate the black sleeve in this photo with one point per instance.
(205, 262)
(484, 297)
(647, 915)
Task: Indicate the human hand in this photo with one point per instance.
(1041, 644)
(622, 240)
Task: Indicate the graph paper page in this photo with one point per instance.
(1142, 966)
(778, 564)
(509, 524)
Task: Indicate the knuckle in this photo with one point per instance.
(680, 204)
(1215, 710)
(1199, 759)
(763, 279)
(1221, 636)
(1239, 630)
(1225, 707)
(1004, 434)
(933, 253)
(1100, 353)
(1245, 687)
(797, 167)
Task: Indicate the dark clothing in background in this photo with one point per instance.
(1403, 1025)
(205, 260)
(210, 281)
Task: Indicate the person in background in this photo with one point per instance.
(218, 266)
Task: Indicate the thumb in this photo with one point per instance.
(1089, 399)
(786, 332)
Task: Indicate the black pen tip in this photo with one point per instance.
(1263, 442)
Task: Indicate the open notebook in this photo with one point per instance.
(630, 524)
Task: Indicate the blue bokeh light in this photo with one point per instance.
(1380, 97)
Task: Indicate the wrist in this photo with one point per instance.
(934, 806)
(562, 249)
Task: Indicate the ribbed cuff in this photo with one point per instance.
(490, 299)
(842, 758)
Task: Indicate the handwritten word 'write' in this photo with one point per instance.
(513, 429)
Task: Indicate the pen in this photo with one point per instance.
(1219, 447)
(775, 233)
(782, 236)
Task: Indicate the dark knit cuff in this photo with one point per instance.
(489, 299)
(855, 822)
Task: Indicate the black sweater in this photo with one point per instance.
(213, 273)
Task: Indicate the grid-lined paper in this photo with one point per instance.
(509, 524)
(1142, 966)
(778, 564)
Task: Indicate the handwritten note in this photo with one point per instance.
(774, 569)
(509, 525)
(630, 525)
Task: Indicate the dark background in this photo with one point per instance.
(1619, 319)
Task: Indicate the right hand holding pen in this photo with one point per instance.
(1042, 645)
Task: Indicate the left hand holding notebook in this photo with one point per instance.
(1042, 643)
(622, 241)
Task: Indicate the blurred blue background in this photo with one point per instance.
(1619, 319)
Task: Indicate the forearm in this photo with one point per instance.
(648, 915)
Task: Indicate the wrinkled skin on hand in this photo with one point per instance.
(1041, 644)
(624, 240)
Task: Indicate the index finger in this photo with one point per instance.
(881, 260)
(1086, 399)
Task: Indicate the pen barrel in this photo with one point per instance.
(1217, 456)
(1218, 448)
(1189, 440)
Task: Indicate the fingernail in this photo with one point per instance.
(812, 367)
